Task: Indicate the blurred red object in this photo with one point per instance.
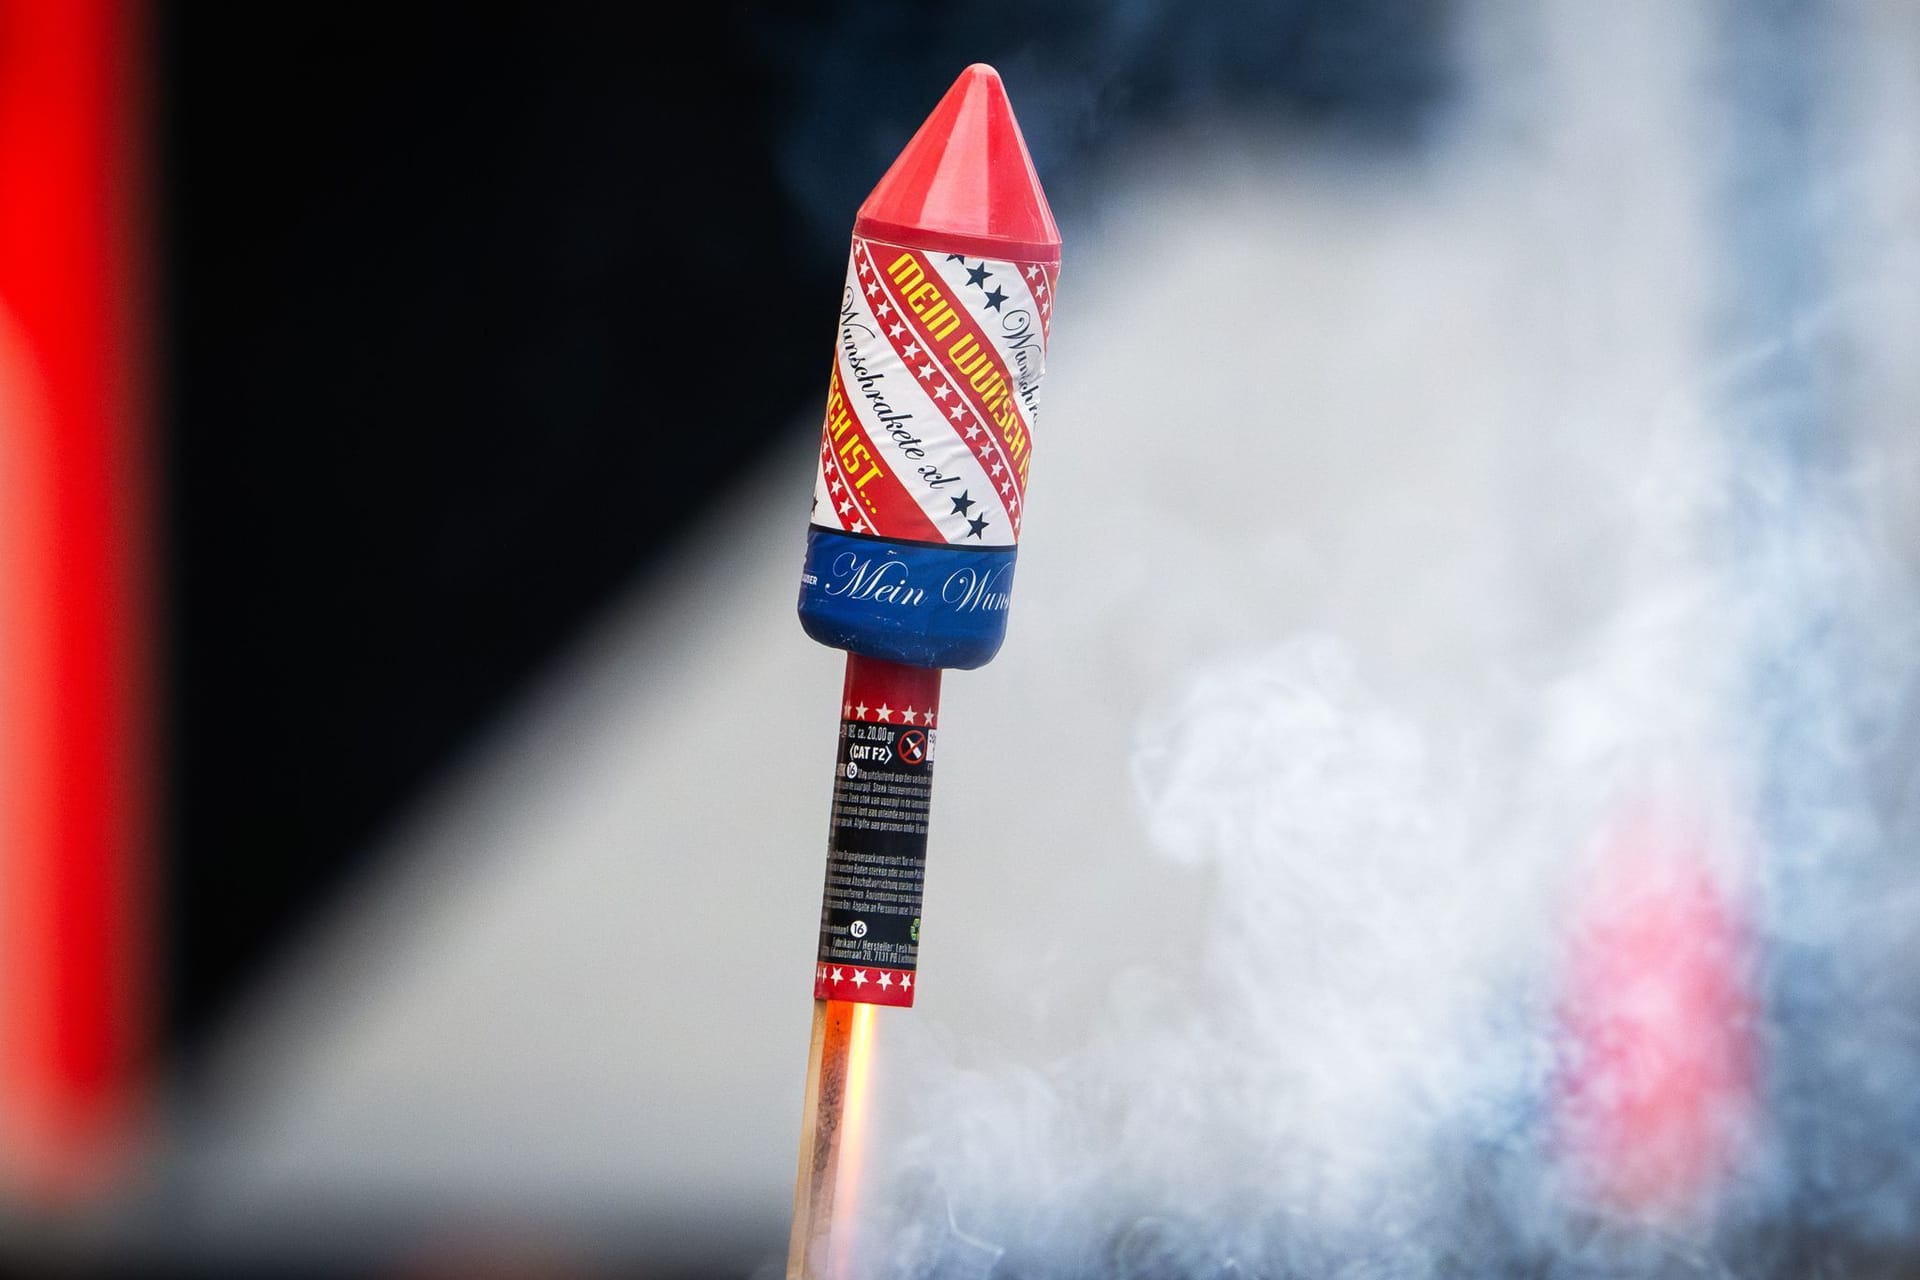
(75, 826)
(1659, 1012)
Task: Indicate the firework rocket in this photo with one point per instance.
(918, 501)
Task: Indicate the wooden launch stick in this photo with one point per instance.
(840, 1039)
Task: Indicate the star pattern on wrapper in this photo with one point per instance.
(871, 985)
(889, 715)
(928, 366)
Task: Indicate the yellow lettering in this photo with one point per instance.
(966, 353)
(905, 271)
(852, 454)
(837, 417)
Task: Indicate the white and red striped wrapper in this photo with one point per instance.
(934, 396)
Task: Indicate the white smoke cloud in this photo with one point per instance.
(1415, 638)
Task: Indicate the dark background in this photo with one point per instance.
(438, 289)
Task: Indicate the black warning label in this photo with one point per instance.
(877, 849)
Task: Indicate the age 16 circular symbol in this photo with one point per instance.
(858, 928)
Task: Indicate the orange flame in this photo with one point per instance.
(832, 1142)
(853, 1141)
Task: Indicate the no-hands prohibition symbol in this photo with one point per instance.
(912, 747)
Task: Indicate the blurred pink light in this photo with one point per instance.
(1660, 1018)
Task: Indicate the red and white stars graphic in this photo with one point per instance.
(929, 376)
(867, 984)
(884, 714)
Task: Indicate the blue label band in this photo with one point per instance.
(908, 602)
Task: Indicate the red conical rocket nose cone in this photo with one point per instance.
(965, 182)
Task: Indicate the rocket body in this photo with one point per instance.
(919, 494)
(933, 397)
